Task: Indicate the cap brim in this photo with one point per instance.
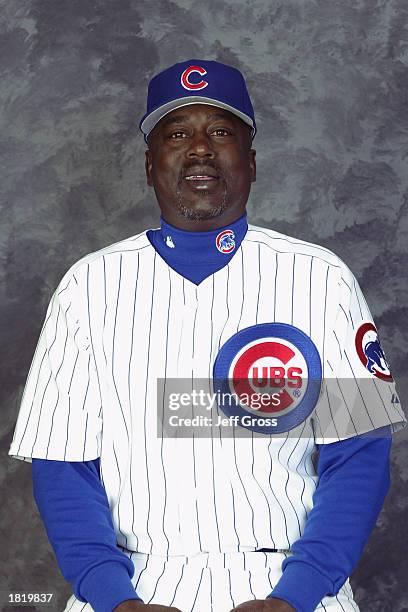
(148, 123)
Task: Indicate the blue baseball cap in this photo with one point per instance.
(197, 81)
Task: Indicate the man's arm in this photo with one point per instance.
(73, 505)
(76, 514)
(353, 482)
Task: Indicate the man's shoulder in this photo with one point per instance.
(132, 244)
(282, 243)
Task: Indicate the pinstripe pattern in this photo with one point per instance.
(120, 319)
(213, 582)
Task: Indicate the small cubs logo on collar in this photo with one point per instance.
(268, 370)
(185, 78)
(370, 352)
(225, 241)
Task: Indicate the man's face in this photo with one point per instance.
(201, 166)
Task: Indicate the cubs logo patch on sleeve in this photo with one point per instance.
(370, 352)
(268, 377)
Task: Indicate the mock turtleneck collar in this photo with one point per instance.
(196, 255)
(198, 247)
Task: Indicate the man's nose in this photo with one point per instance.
(200, 145)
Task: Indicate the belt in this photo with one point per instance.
(267, 550)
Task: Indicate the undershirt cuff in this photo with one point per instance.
(302, 586)
(106, 586)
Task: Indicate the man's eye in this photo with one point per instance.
(226, 132)
(173, 134)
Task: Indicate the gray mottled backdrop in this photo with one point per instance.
(329, 81)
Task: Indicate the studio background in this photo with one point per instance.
(328, 81)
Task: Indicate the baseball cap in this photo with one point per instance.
(197, 81)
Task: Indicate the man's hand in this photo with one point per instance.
(264, 605)
(132, 605)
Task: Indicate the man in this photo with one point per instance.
(221, 521)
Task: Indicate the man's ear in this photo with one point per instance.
(252, 164)
(148, 167)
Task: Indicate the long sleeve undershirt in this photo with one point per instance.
(74, 508)
(354, 478)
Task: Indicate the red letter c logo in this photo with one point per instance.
(193, 86)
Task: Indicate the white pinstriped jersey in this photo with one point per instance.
(121, 318)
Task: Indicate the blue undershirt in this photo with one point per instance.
(353, 482)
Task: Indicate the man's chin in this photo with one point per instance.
(199, 213)
(201, 210)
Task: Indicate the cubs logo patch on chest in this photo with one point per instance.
(268, 377)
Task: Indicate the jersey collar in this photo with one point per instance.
(215, 246)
